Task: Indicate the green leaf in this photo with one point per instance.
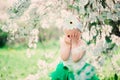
(107, 21)
(15, 10)
(115, 76)
(78, 9)
(70, 6)
(98, 21)
(104, 14)
(103, 2)
(91, 6)
(108, 40)
(86, 6)
(93, 24)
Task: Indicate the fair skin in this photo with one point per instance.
(70, 41)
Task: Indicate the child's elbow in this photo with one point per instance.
(75, 58)
(64, 57)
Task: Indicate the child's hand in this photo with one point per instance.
(65, 42)
(67, 39)
(75, 38)
(65, 47)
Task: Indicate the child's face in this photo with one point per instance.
(72, 33)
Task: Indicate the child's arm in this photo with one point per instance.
(76, 56)
(65, 47)
(79, 52)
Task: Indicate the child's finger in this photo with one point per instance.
(77, 36)
(71, 33)
(67, 39)
(71, 36)
(74, 34)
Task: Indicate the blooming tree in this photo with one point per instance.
(100, 19)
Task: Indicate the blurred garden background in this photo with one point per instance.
(30, 32)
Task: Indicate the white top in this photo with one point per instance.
(75, 66)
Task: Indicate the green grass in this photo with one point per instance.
(15, 65)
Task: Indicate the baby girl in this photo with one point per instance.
(73, 65)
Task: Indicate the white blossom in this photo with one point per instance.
(45, 23)
(13, 27)
(93, 31)
(5, 28)
(87, 36)
(33, 38)
(59, 22)
(115, 39)
(106, 30)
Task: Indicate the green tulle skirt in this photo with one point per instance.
(63, 73)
